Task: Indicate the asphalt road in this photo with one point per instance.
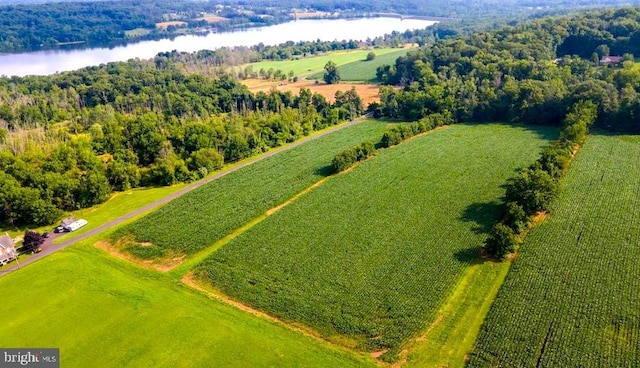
(49, 247)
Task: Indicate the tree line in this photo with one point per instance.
(522, 73)
(68, 140)
(533, 189)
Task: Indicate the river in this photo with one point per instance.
(61, 59)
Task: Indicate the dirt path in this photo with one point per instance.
(48, 247)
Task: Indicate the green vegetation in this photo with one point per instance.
(370, 255)
(76, 137)
(364, 70)
(451, 336)
(118, 205)
(214, 210)
(571, 298)
(104, 312)
(314, 64)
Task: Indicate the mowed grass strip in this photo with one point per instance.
(103, 312)
(363, 70)
(199, 218)
(572, 296)
(368, 257)
(316, 63)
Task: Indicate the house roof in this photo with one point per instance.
(610, 59)
(6, 241)
(68, 221)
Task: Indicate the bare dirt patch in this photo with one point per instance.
(212, 19)
(163, 264)
(165, 25)
(367, 92)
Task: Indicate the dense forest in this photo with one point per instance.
(68, 140)
(529, 73)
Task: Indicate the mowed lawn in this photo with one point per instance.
(316, 63)
(368, 257)
(363, 70)
(199, 218)
(103, 312)
(572, 297)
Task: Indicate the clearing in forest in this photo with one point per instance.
(367, 258)
(572, 297)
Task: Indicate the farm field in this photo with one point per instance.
(214, 210)
(362, 70)
(103, 312)
(316, 63)
(369, 257)
(367, 92)
(572, 297)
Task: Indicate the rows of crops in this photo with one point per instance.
(363, 70)
(199, 218)
(372, 253)
(572, 297)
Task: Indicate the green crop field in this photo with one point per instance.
(199, 218)
(362, 70)
(368, 257)
(316, 63)
(104, 312)
(572, 297)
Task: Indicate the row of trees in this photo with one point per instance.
(68, 140)
(532, 190)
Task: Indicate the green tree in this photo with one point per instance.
(501, 241)
(331, 75)
(371, 56)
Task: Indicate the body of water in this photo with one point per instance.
(58, 60)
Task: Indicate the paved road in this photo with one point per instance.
(48, 247)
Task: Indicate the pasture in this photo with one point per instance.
(103, 312)
(369, 257)
(314, 64)
(198, 219)
(363, 70)
(572, 297)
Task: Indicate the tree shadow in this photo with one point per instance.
(469, 256)
(482, 216)
(325, 171)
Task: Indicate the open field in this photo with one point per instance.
(314, 64)
(138, 32)
(212, 18)
(572, 297)
(214, 210)
(367, 92)
(165, 25)
(102, 312)
(368, 258)
(363, 70)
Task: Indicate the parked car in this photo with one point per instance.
(59, 229)
(46, 234)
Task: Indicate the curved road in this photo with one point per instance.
(48, 247)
